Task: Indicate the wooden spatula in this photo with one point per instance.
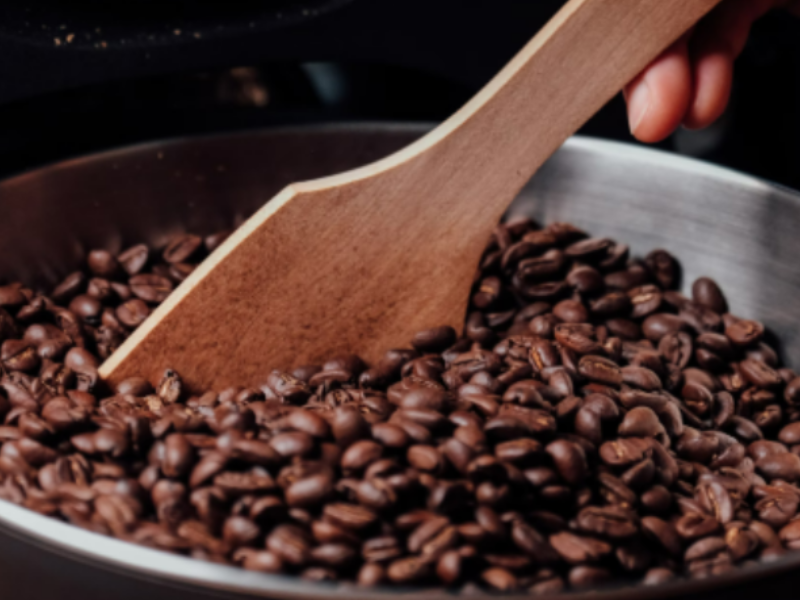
(359, 262)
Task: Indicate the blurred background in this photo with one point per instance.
(78, 76)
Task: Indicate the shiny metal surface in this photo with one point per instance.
(743, 232)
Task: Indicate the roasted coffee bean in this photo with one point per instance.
(705, 291)
(612, 522)
(676, 348)
(150, 288)
(134, 259)
(585, 279)
(658, 325)
(19, 355)
(570, 311)
(657, 500)
(310, 491)
(425, 458)
(102, 263)
(623, 452)
(238, 484)
(569, 459)
(360, 455)
(792, 392)
(695, 525)
(716, 501)
(577, 337)
(785, 466)
(658, 576)
(290, 444)
(645, 300)
(641, 422)
(291, 543)
(532, 542)
(759, 374)
(500, 579)
(663, 534)
(435, 339)
(87, 308)
(487, 293)
(73, 284)
(584, 576)
(11, 296)
(664, 268)
(744, 332)
(182, 248)
(641, 377)
(178, 456)
(577, 549)
(408, 570)
(600, 370)
(588, 249)
(240, 531)
(634, 557)
(640, 475)
(350, 516)
(626, 279)
(132, 313)
(741, 543)
(519, 451)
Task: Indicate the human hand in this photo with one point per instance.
(690, 83)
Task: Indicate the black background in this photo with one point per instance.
(85, 75)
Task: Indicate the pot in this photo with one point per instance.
(739, 230)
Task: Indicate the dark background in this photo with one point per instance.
(78, 76)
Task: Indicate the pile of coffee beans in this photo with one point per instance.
(592, 425)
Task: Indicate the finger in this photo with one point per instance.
(718, 40)
(713, 79)
(659, 97)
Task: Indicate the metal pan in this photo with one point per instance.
(737, 229)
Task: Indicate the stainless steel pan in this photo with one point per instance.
(742, 231)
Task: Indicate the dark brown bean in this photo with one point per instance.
(290, 543)
(611, 521)
(408, 570)
(577, 549)
(758, 373)
(784, 466)
(178, 456)
(656, 326)
(182, 248)
(645, 300)
(310, 491)
(663, 533)
(705, 291)
(295, 443)
(133, 312)
(150, 288)
(569, 459)
(744, 332)
(601, 370)
(134, 259)
(435, 339)
(102, 263)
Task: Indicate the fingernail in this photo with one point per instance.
(638, 105)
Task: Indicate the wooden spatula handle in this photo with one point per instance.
(557, 82)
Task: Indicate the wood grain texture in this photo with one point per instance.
(360, 261)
